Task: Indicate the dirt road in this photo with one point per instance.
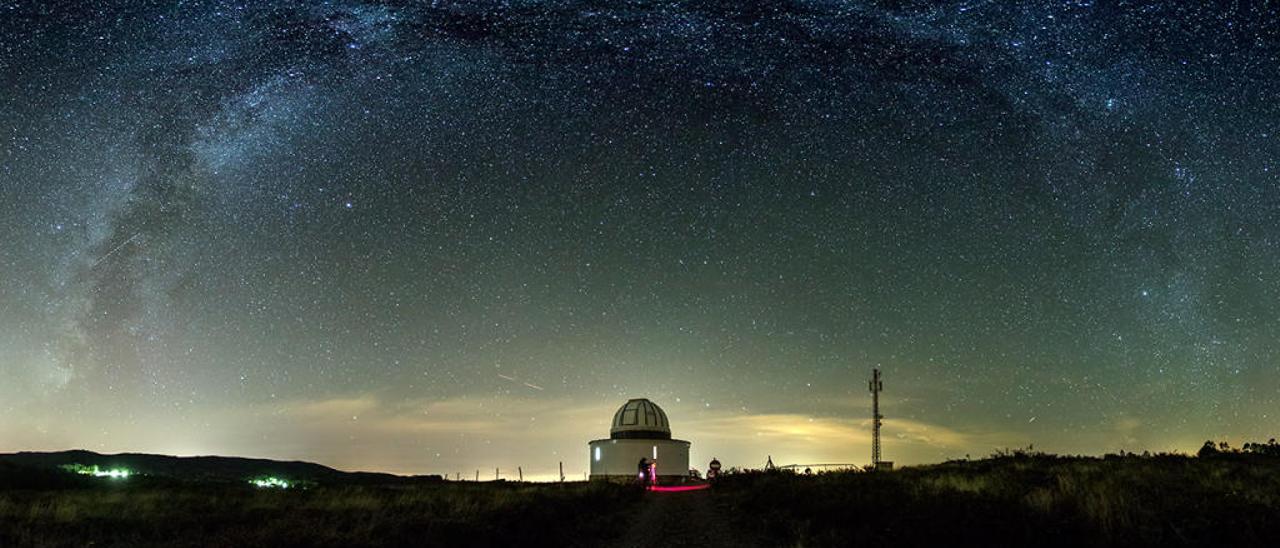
(682, 519)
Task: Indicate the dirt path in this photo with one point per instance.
(681, 519)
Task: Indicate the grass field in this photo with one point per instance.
(149, 513)
(1012, 500)
(1231, 500)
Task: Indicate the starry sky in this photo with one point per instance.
(434, 237)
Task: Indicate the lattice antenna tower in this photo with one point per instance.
(876, 387)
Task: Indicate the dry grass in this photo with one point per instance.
(1027, 500)
(234, 515)
(1012, 500)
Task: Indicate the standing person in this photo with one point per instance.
(644, 470)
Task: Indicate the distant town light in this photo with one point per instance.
(95, 471)
(270, 483)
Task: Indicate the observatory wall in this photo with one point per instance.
(617, 458)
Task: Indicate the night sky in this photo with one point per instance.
(434, 237)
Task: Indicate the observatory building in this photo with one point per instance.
(640, 430)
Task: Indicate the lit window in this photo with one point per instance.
(655, 452)
(597, 454)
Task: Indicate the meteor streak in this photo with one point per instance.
(113, 251)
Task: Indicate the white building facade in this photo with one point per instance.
(640, 430)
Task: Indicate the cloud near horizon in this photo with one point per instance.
(461, 435)
(458, 436)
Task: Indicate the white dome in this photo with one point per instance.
(640, 418)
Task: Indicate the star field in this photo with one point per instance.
(429, 237)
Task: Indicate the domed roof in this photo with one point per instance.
(640, 418)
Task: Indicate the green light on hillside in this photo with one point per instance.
(113, 473)
(270, 483)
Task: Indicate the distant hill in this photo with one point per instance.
(215, 469)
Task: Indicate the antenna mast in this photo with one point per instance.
(876, 386)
